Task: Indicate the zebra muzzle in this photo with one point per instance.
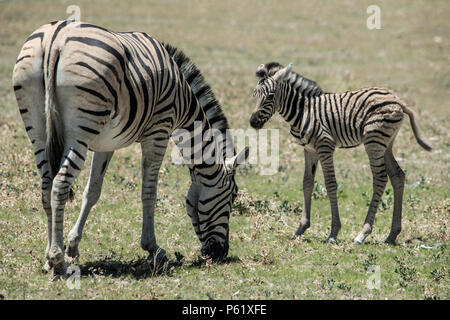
(215, 250)
(255, 121)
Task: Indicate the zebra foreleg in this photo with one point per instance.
(376, 157)
(311, 160)
(74, 158)
(326, 161)
(153, 150)
(100, 161)
(397, 177)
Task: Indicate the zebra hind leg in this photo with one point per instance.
(46, 187)
(397, 177)
(91, 194)
(73, 161)
(377, 165)
(29, 91)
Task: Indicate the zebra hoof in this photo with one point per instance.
(158, 257)
(390, 241)
(46, 268)
(72, 252)
(359, 239)
(331, 239)
(58, 272)
(296, 236)
(301, 230)
(55, 256)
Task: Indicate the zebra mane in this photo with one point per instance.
(201, 89)
(306, 86)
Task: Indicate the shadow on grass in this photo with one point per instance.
(311, 239)
(142, 267)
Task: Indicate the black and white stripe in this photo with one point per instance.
(321, 123)
(80, 87)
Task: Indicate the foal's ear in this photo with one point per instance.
(261, 71)
(238, 159)
(283, 74)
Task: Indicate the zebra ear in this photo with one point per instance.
(261, 72)
(283, 74)
(238, 159)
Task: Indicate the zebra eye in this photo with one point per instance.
(270, 96)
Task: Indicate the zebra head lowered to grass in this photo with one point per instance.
(326, 121)
(80, 87)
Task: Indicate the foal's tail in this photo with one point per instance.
(423, 143)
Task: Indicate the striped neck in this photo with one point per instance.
(291, 104)
(199, 142)
(202, 108)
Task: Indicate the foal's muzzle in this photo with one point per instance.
(255, 121)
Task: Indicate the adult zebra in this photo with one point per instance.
(80, 86)
(320, 123)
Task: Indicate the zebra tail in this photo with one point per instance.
(423, 143)
(55, 143)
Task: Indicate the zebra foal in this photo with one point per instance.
(80, 87)
(322, 122)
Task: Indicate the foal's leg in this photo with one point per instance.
(100, 161)
(326, 161)
(153, 150)
(311, 160)
(397, 177)
(376, 153)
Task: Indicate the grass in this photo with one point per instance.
(328, 42)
